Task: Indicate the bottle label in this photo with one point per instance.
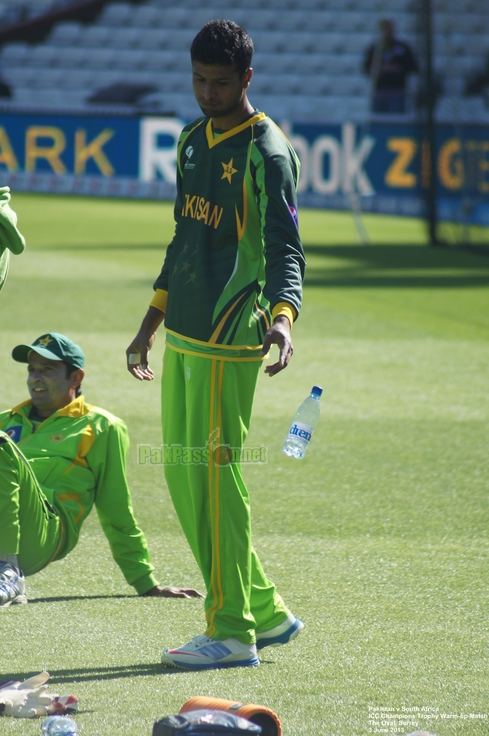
(299, 430)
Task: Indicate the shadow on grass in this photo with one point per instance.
(87, 674)
(58, 598)
(365, 266)
(103, 246)
(400, 266)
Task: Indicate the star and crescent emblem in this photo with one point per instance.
(229, 170)
(45, 341)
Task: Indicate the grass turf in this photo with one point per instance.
(378, 539)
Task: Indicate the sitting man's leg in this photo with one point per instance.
(29, 527)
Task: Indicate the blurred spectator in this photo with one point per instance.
(5, 90)
(388, 61)
(478, 81)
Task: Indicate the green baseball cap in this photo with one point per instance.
(53, 346)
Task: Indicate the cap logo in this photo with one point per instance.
(45, 341)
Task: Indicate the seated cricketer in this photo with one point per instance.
(58, 457)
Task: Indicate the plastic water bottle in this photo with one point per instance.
(303, 425)
(59, 726)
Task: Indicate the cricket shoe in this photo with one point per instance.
(12, 585)
(281, 634)
(202, 653)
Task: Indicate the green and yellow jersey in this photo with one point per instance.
(236, 259)
(78, 456)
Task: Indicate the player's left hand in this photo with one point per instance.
(172, 592)
(278, 334)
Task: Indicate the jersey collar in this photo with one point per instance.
(76, 408)
(211, 141)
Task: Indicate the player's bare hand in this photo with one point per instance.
(278, 334)
(171, 591)
(137, 358)
(138, 350)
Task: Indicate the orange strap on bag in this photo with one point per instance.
(258, 714)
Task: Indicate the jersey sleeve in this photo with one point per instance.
(162, 280)
(276, 179)
(107, 459)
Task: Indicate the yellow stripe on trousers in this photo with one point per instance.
(214, 497)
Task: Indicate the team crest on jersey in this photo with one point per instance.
(14, 432)
(294, 214)
(229, 170)
(189, 153)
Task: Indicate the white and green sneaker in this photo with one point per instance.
(202, 653)
(281, 634)
(12, 585)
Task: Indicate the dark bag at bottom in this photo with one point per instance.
(205, 723)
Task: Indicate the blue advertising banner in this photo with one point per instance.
(386, 167)
(380, 167)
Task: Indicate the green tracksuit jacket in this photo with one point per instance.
(78, 456)
(236, 256)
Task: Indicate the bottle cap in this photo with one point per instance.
(317, 390)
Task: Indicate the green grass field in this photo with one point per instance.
(378, 539)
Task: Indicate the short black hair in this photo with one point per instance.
(223, 42)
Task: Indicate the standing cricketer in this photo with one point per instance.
(229, 288)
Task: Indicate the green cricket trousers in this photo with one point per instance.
(206, 411)
(29, 526)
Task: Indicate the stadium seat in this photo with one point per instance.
(71, 56)
(77, 78)
(116, 14)
(95, 36)
(42, 55)
(19, 76)
(178, 38)
(146, 16)
(14, 54)
(258, 19)
(106, 78)
(40, 7)
(66, 33)
(103, 58)
(131, 59)
(173, 17)
(50, 77)
(265, 63)
(125, 38)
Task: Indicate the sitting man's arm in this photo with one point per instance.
(170, 591)
(107, 459)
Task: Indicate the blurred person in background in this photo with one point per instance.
(388, 62)
(477, 82)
